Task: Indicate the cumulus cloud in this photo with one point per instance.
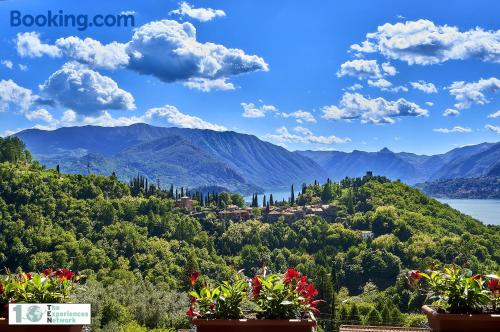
(423, 86)
(303, 135)
(7, 63)
(451, 112)
(200, 14)
(424, 43)
(468, 94)
(360, 68)
(375, 111)
(92, 52)
(389, 69)
(165, 49)
(169, 50)
(250, 110)
(23, 67)
(12, 94)
(354, 87)
(380, 83)
(300, 116)
(84, 90)
(28, 44)
(495, 129)
(207, 85)
(40, 114)
(429, 103)
(456, 129)
(494, 115)
(172, 115)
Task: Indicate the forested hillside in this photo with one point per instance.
(486, 187)
(136, 249)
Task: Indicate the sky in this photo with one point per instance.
(420, 77)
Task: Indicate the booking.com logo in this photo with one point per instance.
(80, 21)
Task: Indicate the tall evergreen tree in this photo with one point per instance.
(271, 201)
(292, 197)
(264, 203)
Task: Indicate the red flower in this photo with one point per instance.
(47, 272)
(28, 275)
(493, 285)
(256, 286)
(191, 313)
(291, 275)
(1, 289)
(416, 275)
(194, 277)
(64, 274)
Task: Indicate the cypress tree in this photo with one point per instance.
(373, 317)
(271, 201)
(58, 170)
(292, 197)
(264, 201)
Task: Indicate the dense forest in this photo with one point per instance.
(136, 249)
(486, 187)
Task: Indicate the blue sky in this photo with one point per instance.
(411, 76)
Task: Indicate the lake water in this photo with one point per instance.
(485, 210)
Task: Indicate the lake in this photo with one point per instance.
(485, 210)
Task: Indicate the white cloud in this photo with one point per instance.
(451, 112)
(380, 83)
(375, 111)
(79, 88)
(13, 94)
(165, 49)
(40, 114)
(28, 44)
(354, 87)
(468, 94)
(495, 129)
(423, 86)
(429, 103)
(200, 14)
(300, 116)
(303, 135)
(456, 129)
(250, 110)
(207, 85)
(389, 69)
(169, 50)
(423, 42)
(23, 67)
(172, 115)
(92, 52)
(360, 68)
(494, 115)
(7, 63)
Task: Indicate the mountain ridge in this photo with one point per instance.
(238, 162)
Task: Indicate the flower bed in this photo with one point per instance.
(460, 300)
(273, 302)
(50, 286)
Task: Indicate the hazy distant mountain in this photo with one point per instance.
(409, 167)
(188, 157)
(483, 159)
(239, 162)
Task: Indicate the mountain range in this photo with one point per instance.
(237, 162)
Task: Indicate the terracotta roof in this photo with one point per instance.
(356, 328)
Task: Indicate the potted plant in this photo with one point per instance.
(50, 286)
(460, 301)
(275, 302)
